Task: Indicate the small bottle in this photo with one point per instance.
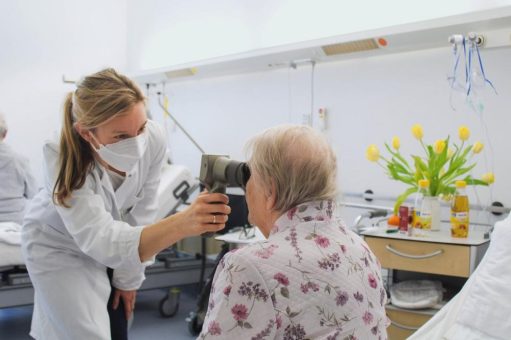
(419, 197)
(460, 211)
(412, 216)
(425, 210)
(404, 218)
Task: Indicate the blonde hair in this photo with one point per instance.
(298, 160)
(97, 99)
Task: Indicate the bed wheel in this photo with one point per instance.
(169, 305)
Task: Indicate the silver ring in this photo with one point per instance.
(214, 219)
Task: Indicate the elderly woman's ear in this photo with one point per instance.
(271, 196)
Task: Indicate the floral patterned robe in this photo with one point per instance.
(312, 279)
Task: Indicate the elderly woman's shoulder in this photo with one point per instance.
(243, 256)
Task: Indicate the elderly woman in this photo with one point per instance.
(313, 278)
(18, 185)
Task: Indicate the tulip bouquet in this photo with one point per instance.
(444, 163)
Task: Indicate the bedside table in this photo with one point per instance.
(437, 253)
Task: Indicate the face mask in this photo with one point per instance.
(122, 155)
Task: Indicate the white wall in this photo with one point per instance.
(39, 42)
(368, 101)
(171, 32)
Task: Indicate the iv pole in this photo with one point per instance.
(178, 124)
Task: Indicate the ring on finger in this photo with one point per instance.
(214, 219)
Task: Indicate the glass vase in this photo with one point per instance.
(435, 213)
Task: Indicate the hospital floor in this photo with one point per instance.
(148, 324)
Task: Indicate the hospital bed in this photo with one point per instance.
(171, 267)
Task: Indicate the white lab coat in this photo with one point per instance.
(67, 250)
(18, 185)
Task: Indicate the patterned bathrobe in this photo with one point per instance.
(312, 279)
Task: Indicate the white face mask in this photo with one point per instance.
(123, 155)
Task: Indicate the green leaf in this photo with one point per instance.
(398, 156)
(441, 159)
(473, 181)
(400, 168)
(431, 152)
(401, 198)
(247, 325)
(458, 173)
(419, 164)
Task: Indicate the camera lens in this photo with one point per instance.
(245, 173)
(237, 174)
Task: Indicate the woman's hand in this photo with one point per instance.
(208, 213)
(128, 298)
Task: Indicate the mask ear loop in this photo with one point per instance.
(96, 140)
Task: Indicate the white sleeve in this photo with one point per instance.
(127, 278)
(96, 233)
(240, 304)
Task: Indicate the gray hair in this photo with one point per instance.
(3, 126)
(298, 160)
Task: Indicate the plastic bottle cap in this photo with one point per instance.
(461, 184)
(423, 183)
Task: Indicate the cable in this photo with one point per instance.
(313, 67)
(149, 115)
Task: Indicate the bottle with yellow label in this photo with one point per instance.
(460, 211)
(421, 219)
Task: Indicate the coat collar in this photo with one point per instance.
(319, 211)
(122, 193)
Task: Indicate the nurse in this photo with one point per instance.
(96, 213)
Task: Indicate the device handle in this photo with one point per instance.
(181, 190)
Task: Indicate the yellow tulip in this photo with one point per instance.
(372, 153)
(464, 132)
(488, 177)
(439, 146)
(396, 143)
(417, 131)
(478, 147)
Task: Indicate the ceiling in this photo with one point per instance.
(493, 25)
